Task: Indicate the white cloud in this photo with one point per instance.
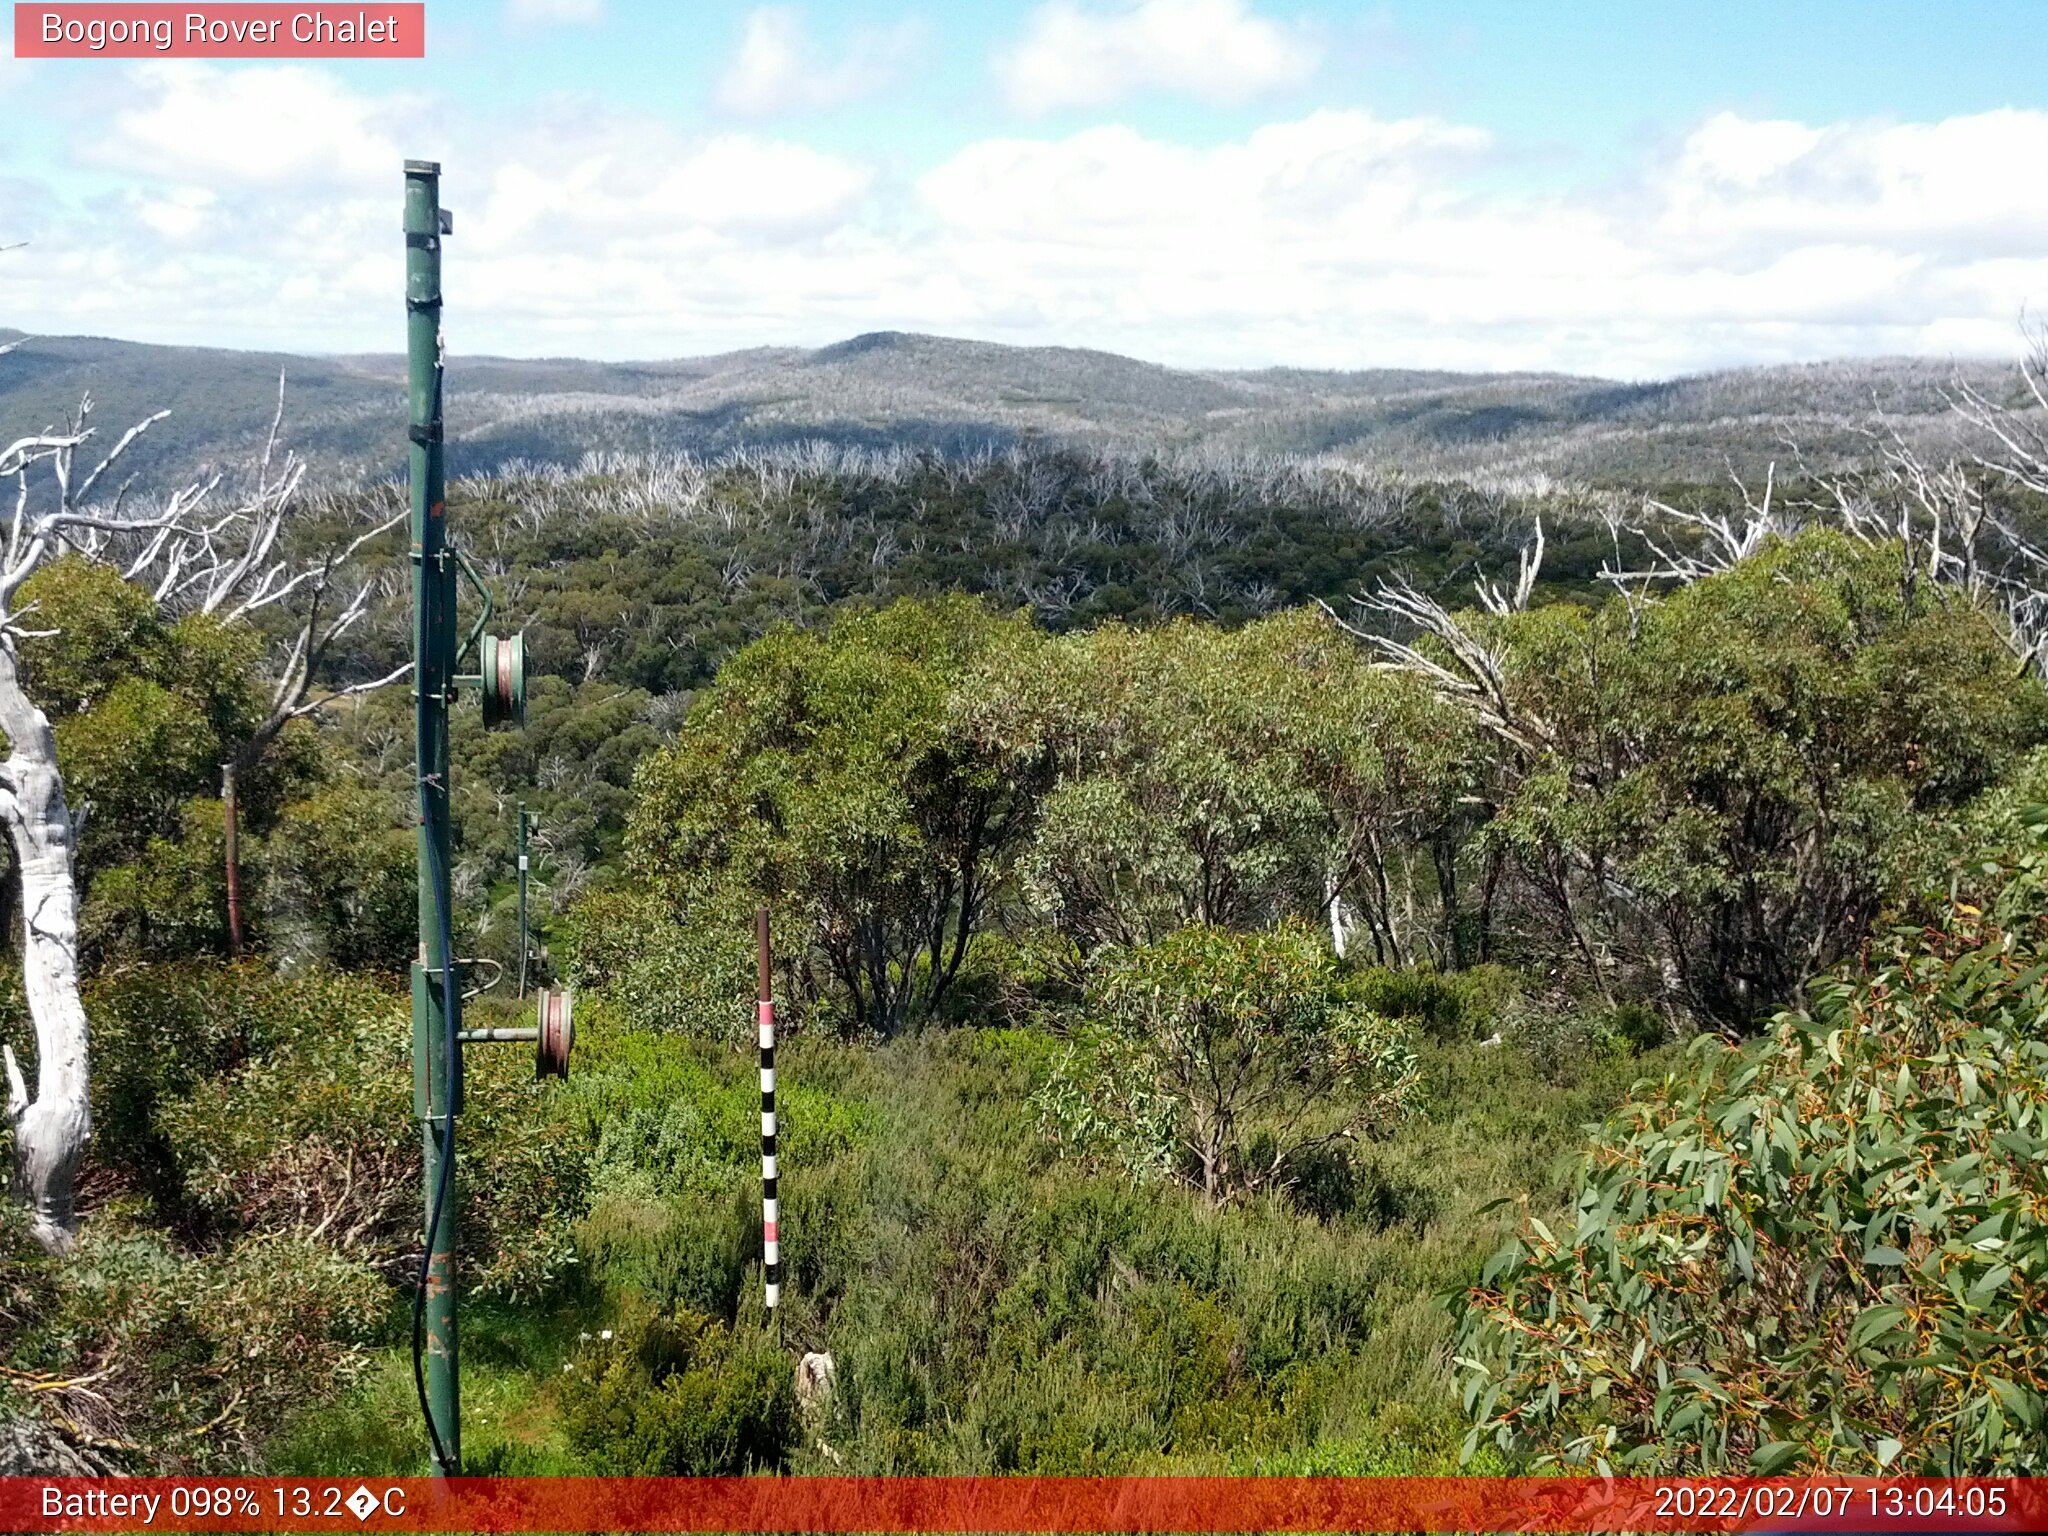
(638, 189)
(781, 68)
(1950, 184)
(1345, 239)
(1218, 51)
(1336, 239)
(542, 13)
(1108, 185)
(266, 125)
(179, 214)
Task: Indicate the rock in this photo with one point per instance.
(814, 1386)
(32, 1449)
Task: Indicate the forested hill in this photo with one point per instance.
(890, 389)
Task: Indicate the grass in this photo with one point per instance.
(990, 1309)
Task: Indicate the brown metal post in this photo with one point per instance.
(230, 827)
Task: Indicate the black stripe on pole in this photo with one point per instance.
(771, 1231)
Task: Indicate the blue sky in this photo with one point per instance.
(1634, 190)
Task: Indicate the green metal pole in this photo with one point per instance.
(524, 945)
(436, 1091)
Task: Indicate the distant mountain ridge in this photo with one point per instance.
(890, 389)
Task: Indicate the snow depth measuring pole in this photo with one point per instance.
(500, 682)
(771, 1221)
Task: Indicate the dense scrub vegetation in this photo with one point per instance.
(1175, 994)
(1826, 1250)
(1697, 804)
(634, 584)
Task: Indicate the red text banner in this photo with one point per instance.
(1052, 1504)
(111, 30)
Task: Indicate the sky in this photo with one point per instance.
(1636, 190)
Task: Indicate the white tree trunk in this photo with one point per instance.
(50, 1130)
(223, 564)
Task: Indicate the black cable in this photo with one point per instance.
(446, 1180)
(444, 931)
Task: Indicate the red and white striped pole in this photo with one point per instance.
(771, 1246)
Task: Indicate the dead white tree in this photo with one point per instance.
(1528, 566)
(1718, 541)
(1466, 665)
(52, 1126)
(236, 581)
(190, 553)
(1941, 514)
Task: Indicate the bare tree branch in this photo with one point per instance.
(311, 706)
(1475, 673)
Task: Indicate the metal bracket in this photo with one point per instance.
(483, 619)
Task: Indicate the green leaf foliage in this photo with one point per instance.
(1822, 1250)
(1219, 776)
(1227, 1057)
(342, 881)
(680, 1396)
(145, 710)
(1723, 786)
(825, 774)
(249, 1102)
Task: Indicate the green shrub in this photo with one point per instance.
(1445, 1005)
(342, 884)
(665, 977)
(169, 901)
(161, 1032)
(1637, 1026)
(689, 1254)
(675, 1215)
(1822, 1251)
(312, 1132)
(1332, 1182)
(675, 1116)
(1239, 1050)
(1036, 979)
(28, 1280)
(1428, 999)
(677, 1395)
(195, 1359)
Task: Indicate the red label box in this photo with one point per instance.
(367, 29)
(1070, 1505)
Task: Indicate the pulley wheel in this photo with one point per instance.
(504, 680)
(557, 1034)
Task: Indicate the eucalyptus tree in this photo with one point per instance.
(1226, 1058)
(196, 551)
(1844, 1273)
(1711, 792)
(1204, 775)
(826, 773)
